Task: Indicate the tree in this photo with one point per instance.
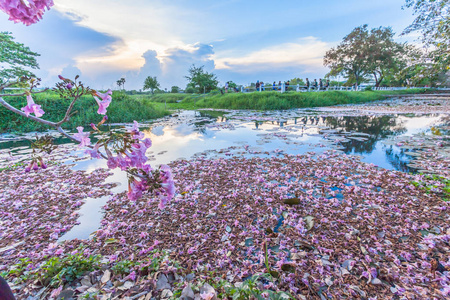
(364, 53)
(201, 80)
(151, 83)
(14, 58)
(349, 58)
(175, 89)
(296, 81)
(385, 55)
(433, 21)
(121, 83)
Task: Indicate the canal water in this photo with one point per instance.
(213, 134)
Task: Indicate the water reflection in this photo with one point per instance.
(193, 132)
(224, 134)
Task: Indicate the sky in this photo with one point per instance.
(239, 40)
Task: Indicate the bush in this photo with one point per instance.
(123, 109)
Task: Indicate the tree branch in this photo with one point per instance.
(15, 110)
(69, 109)
(22, 94)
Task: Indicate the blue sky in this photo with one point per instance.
(239, 40)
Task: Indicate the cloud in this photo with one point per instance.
(172, 65)
(70, 72)
(305, 52)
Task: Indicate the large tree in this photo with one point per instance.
(363, 53)
(151, 83)
(201, 80)
(433, 22)
(15, 59)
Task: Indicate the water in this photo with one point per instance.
(224, 134)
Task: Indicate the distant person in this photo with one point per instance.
(327, 84)
(315, 84)
(5, 291)
(257, 85)
(287, 86)
(262, 86)
(274, 86)
(279, 85)
(226, 87)
(307, 84)
(320, 84)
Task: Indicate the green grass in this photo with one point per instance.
(270, 100)
(122, 109)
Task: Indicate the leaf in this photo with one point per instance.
(106, 277)
(292, 201)
(309, 220)
(111, 241)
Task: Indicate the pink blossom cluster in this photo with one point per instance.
(134, 158)
(35, 165)
(104, 102)
(32, 108)
(27, 12)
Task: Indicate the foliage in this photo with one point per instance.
(56, 270)
(296, 81)
(174, 89)
(249, 289)
(433, 22)
(189, 90)
(363, 53)
(151, 83)
(200, 80)
(15, 58)
(231, 84)
(436, 184)
(121, 83)
(123, 109)
(123, 267)
(275, 100)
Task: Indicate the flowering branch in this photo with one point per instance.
(122, 150)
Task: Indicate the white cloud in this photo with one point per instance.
(307, 52)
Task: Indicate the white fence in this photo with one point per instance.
(298, 88)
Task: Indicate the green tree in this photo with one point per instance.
(232, 84)
(363, 53)
(385, 56)
(433, 22)
(15, 58)
(121, 82)
(151, 83)
(201, 80)
(296, 81)
(174, 89)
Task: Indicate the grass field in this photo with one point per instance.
(269, 100)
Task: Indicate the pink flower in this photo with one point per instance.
(94, 152)
(82, 137)
(27, 12)
(32, 108)
(106, 96)
(102, 105)
(135, 130)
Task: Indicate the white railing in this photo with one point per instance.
(298, 88)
